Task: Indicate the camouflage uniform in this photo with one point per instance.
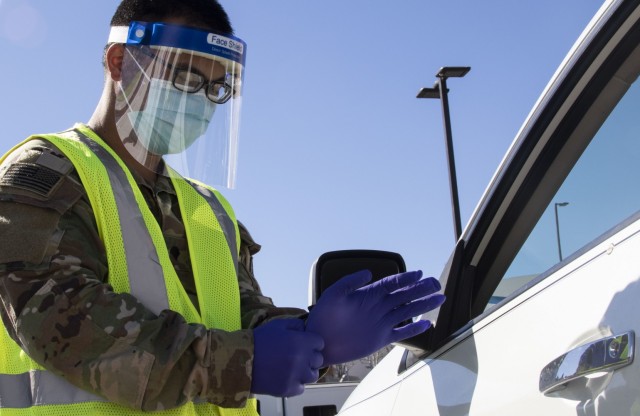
(57, 305)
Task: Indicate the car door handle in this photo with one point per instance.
(603, 355)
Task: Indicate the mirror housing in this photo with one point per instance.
(333, 265)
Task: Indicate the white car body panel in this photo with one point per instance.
(455, 384)
(376, 394)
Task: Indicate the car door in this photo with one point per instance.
(543, 305)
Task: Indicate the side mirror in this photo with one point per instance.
(333, 265)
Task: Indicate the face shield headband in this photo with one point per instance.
(179, 98)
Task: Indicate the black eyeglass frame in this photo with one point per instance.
(210, 85)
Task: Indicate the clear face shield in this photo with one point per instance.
(179, 99)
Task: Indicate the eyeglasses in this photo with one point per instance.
(192, 81)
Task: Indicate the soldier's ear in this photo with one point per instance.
(113, 60)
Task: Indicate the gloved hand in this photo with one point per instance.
(356, 320)
(285, 358)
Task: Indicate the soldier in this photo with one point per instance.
(127, 288)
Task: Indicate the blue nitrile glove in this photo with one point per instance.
(357, 320)
(285, 358)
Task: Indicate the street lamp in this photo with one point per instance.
(555, 206)
(439, 90)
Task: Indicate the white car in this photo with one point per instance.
(543, 288)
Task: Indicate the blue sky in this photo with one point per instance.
(335, 150)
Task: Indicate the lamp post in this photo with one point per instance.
(439, 90)
(555, 206)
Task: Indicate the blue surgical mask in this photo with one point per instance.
(171, 120)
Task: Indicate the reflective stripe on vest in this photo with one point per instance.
(37, 388)
(130, 239)
(136, 240)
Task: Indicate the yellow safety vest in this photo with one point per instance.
(26, 388)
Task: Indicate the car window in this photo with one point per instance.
(599, 192)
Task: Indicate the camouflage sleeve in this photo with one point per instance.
(255, 307)
(55, 303)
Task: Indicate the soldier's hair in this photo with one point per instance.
(205, 13)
